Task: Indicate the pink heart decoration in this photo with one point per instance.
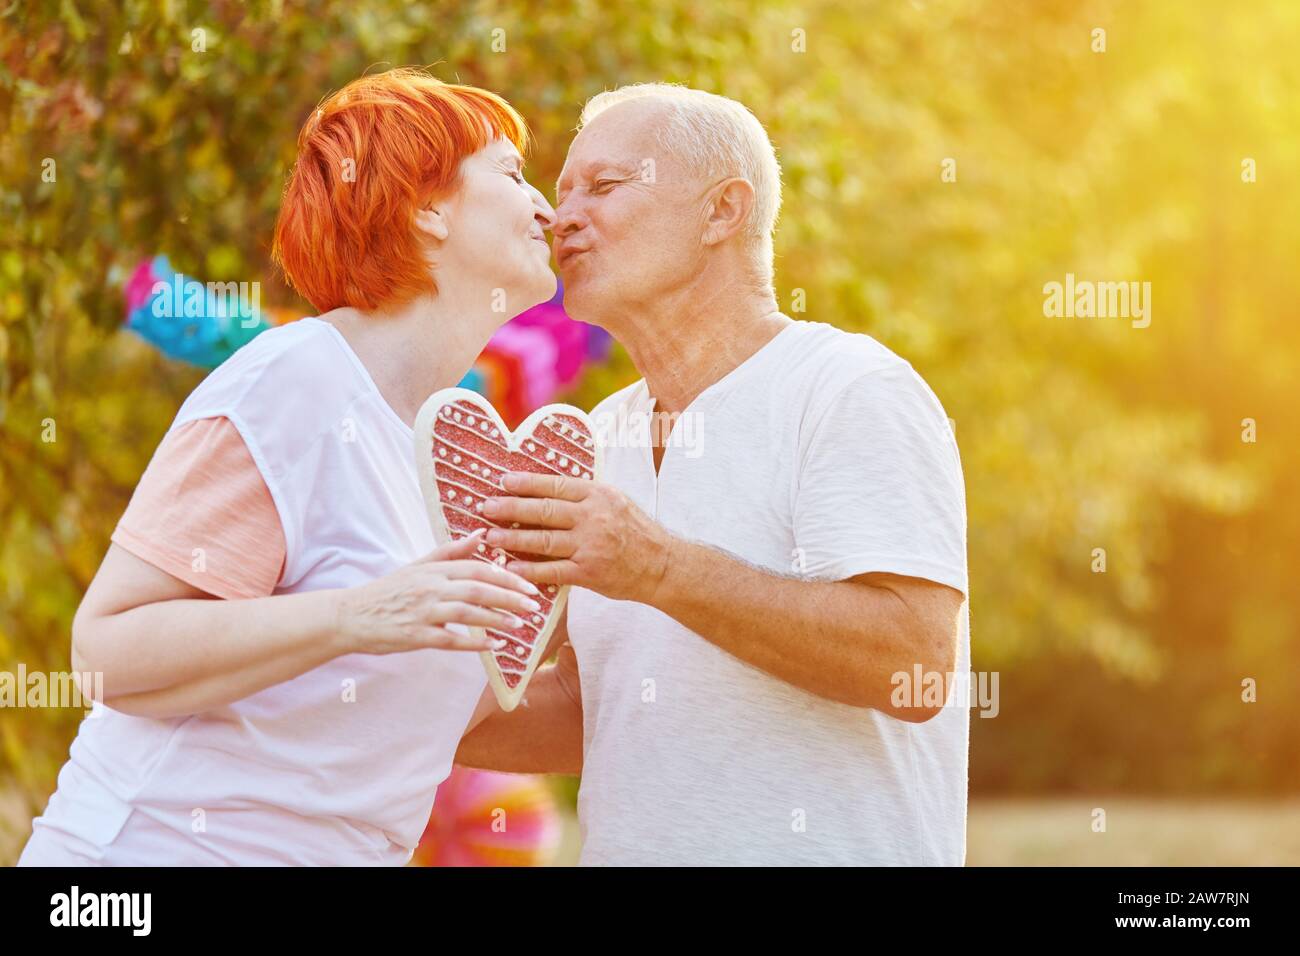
(463, 448)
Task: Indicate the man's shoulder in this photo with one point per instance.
(837, 356)
(834, 368)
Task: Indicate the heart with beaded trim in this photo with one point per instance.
(463, 449)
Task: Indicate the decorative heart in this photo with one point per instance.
(462, 449)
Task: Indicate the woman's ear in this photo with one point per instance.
(433, 222)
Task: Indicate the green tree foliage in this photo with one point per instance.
(170, 127)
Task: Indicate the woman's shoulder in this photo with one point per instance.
(286, 386)
(299, 366)
(302, 347)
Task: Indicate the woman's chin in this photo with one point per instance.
(545, 288)
(527, 294)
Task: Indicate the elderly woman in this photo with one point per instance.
(284, 672)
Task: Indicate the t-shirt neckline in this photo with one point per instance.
(364, 373)
(728, 380)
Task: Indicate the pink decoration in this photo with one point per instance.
(139, 287)
(481, 818)
(537, 353)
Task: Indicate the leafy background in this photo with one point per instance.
(1075, 434)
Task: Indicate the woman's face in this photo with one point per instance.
(497, 226)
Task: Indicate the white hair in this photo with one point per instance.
(718, 137)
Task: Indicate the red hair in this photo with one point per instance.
(351, 243)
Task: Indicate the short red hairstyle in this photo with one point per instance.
(348, 240)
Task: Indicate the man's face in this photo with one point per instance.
(628, 217)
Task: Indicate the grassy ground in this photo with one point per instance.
(1058, 832)
(1036, 832)
(1055, 831)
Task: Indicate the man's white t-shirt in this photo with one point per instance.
(823, 455)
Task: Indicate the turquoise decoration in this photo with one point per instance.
(474, 381)
(188, 320)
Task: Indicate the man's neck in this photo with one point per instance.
(415, 349)
(686, 341)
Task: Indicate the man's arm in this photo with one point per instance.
(544, 733)
(842, 640)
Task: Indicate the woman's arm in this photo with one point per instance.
(167, 649)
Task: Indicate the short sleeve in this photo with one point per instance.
(202, 513)
(880, 485)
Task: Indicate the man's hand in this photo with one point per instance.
(595, 536)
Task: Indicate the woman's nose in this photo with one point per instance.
(545, 214)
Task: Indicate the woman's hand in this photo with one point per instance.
(410, 609)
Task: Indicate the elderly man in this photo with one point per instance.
(735, 680)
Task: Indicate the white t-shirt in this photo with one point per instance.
(825, 455)
(339, 765)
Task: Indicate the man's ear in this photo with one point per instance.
(732, 202)
(433, 222)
